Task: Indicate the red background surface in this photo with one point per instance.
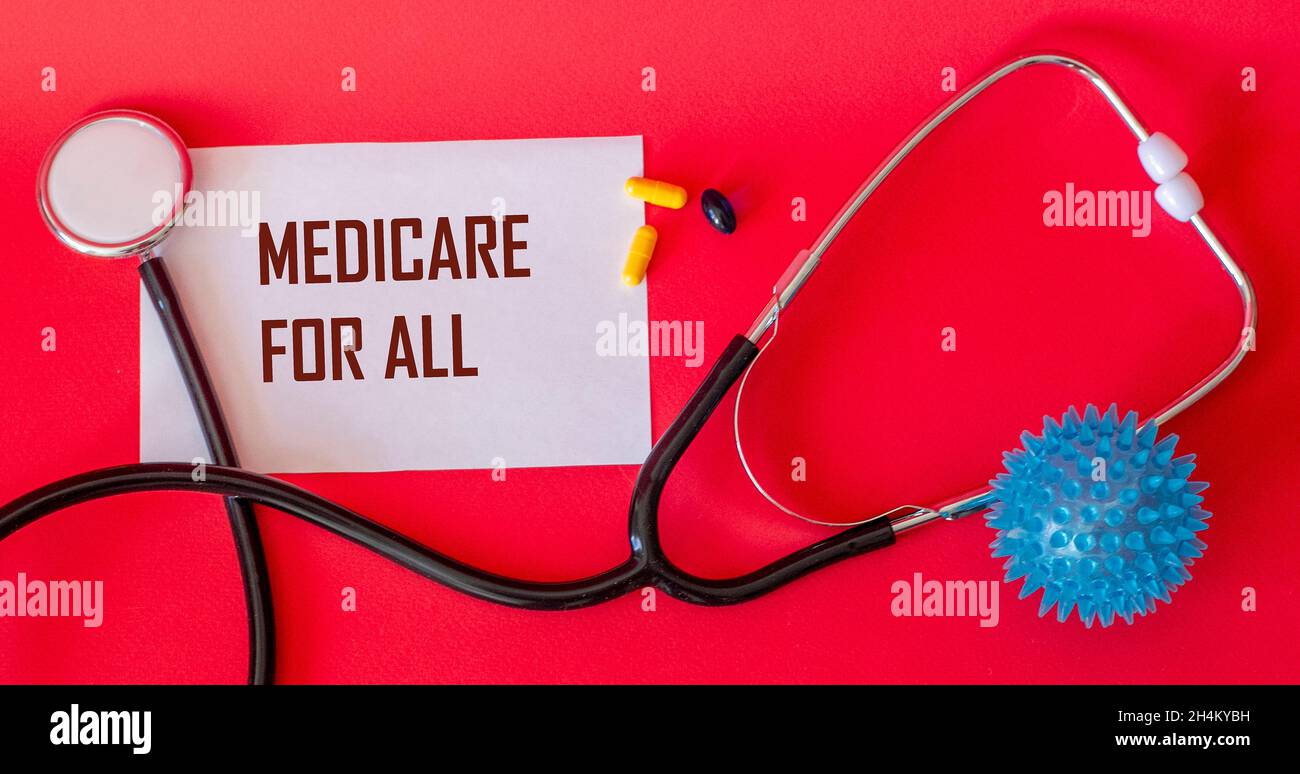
(767, 103)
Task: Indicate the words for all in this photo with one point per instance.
(308, 343)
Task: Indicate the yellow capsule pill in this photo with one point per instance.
(656, 192)
(638, 255)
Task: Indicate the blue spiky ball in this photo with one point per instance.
(1098, 515)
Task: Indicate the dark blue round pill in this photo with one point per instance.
(718, 210)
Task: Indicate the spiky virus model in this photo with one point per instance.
(1098, 515)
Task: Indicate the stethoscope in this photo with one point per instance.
(73, 203)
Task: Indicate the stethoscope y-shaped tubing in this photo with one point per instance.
(646, 565)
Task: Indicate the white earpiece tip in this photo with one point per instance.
(1161, 157)
(1180, 197)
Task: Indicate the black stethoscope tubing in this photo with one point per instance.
(647, 564)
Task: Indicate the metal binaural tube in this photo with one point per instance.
(807, 261)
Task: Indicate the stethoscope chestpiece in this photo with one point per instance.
(114, 184)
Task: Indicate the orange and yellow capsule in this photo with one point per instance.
(638, 255)
(656, 192)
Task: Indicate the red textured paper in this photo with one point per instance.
(768, 103)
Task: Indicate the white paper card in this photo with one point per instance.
(543, 394)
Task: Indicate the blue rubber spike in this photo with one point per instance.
(1101, 569)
